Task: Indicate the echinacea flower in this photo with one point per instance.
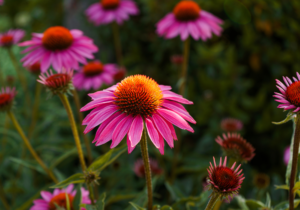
(177, 59)
(108, 11)
(223, 180)
(125, 108)
(236, 147)
(58, 83)
(139, 168)
(34, 68)
(50, 201)
(187, 19)
(120, 75)
(1, 2)
(287, 154)
(93, 75)
(11, 37)
(59, 47)
(7, 96)
(289, 91)
(231, 125)
(261, 181)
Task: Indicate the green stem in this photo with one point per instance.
(92, 197)
(294, 161)
(184, 69)
(3, 198)
(214, 198)
(30, 148)
(144, 149)
(117, 42)
(36, 104)
(67, 106)
(81, 128)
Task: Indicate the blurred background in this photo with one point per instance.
(228, 76)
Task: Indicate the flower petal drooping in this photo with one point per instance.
(50, 201)
(231, 125)
(236, 147)
(7, 96)
(124, 108)
(224, 181)
(93, 75)
(188, 19)
(139, 168)
(108, 11)
(11, 37)
(58, 47)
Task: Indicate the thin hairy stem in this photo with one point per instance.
(35, 109)
(213, 199)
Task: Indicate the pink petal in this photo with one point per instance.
(136, 130)
(163, 128)
(153, 134)
(121, 130)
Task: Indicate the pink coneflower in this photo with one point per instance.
(50, 201)
(7, 96)
(188, 19)
(107, 11)
(236, 147)
(177, 59)
(34, 68)
(11, 37)
(120, 75)
(231, 125)
(287, 154)
(223, 180)
(289, 92)
(1, 2)
(94, 74)
(139, 168)
(124, 108)
(59, 47)
(57, 83)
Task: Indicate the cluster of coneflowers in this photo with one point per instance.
(134, 107)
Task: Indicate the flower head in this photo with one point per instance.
(139, 168)
(231, 125)
(236, 147)
(94, 74)
(223, 180)
(11, 37)
(35, 68)
(59, 47)
(7, 96)
(287, 154)
(261, 181)
(177, 59)
(124, 108)
(50, 201)
(108, 11)
(1, 2)
(59, 82)
(187, 19)
(120, 75)
(289, 92)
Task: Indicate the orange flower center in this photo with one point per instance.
(224, 178)
(57, 38)
(293, 93)
(186, 10)
(93, 68)
(7, 40)
(110, 4)
(4, 98)
(138, 95)
(61, 201)
(35, 68)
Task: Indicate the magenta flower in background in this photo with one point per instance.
(289, 93)
(58, 197)
(11, 37)
(287, 154)
(139, 168)
(108, 11)
(94, 74)
(59, 47)
(124, 108)
(1, 2)
(231, 125)
(7, 96)
(188, 19)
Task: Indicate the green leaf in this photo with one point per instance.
(285, 205)
(99, 205)
(64, 156)
(253, 204)
(284, 187)
(31, 165)
(268, 201)
(116, 198)
(193, 201)
(166, 208)
(290, 116)
(68, 201)
(175, 193)
(103, 161)
(77, 198)
(242, 202)
(135, 206)
(289, 167)
(74, 179)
